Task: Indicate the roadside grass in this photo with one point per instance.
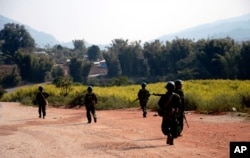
(205, 96)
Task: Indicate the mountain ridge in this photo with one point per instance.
(42, 39)
(237, 28)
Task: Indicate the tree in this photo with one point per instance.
(244, 71)
(14, 37)
(153, 53)
(34, 68)
(25, 64)
(79, 44)
(75, 68)
(93, 53)
(64, 83)
(180, 49)
(57, 71)
(79, 70)
(113, 64)
(80, 49)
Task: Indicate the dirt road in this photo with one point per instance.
(117, 133)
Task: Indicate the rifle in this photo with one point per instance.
(135, 100)
(139, 98)
(184, 116)
(156, 94)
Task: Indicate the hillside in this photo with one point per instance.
(237, 28)
(42, 39)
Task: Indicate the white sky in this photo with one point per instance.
(101, 21)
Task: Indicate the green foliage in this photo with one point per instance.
(33, 68)
(15, 37)
(57, 71)
(2, 91)
(181, 58)
(64, 83)
(79, 70)
(93, 53)
(118, 81)
(205, 96)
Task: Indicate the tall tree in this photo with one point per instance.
(75, 67)
(93, 52)
(153, 53)
(14, 37)
(79, 70)
(80, 49)
(244, 71)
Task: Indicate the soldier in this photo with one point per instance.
(90, 100)
(143, 96)
(178, 90)
(169, 104)
(41, 99)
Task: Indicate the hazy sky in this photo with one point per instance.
(101, 21)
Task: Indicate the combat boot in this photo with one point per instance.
(171, 141)
(168, 140)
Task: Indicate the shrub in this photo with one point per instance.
(206, 96)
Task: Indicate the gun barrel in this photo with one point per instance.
(186, 120)
(156, 94)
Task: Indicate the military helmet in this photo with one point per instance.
(170, 85)
(178, 82)
(40, 88)
(143, 84)
(89, 89)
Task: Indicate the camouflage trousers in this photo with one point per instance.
(90, 110)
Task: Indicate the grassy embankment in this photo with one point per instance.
(206, 96)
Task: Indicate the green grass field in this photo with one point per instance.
(206, 96)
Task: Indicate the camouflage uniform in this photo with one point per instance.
(179, 91)
(143, 96)
(90, 100)
(169, 105)
(41, 100)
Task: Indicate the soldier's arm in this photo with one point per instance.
(157, 94)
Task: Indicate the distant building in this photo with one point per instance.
(103, 64)
(98, 68)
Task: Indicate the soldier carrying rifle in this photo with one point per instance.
(169, 105)
(179, 91)
(143, 96)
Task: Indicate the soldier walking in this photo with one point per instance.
(90, 100)
(169, 104)
(143, 96)
(179, 91)
(41, 99)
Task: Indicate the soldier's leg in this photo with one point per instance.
(88, 114)
(44, 110)
(173, 131)
(39, 111)
(144, 108)
(181, 123)
(93, 113)
(164, 126)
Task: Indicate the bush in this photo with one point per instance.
(205, 96)
(2, 91)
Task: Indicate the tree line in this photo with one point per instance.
(152, 61)
(180, 58)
